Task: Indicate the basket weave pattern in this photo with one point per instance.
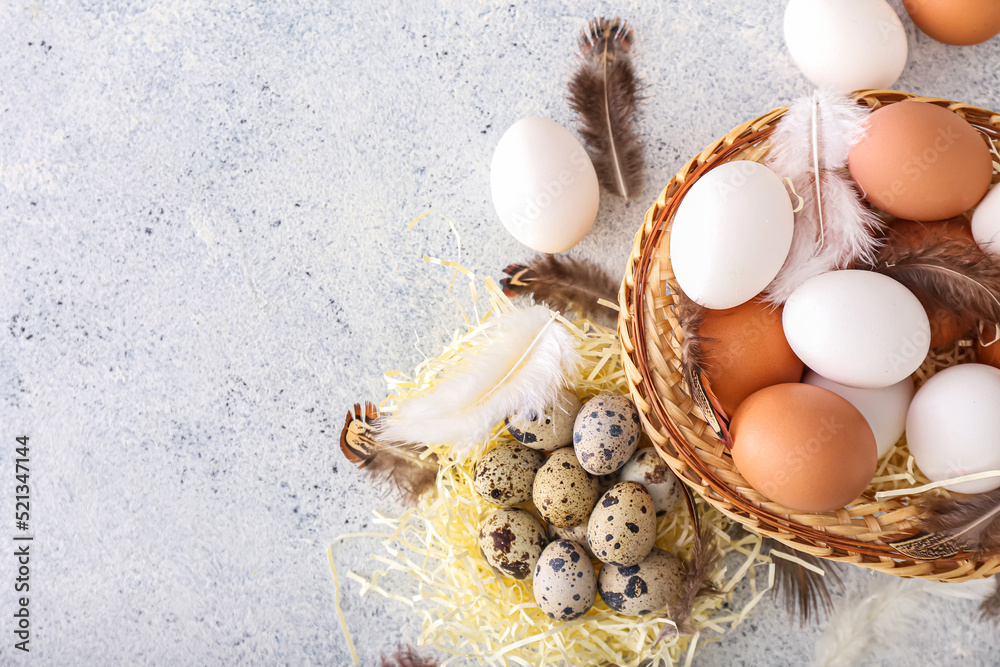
(650, 344)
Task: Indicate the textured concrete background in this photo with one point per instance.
(205, 262)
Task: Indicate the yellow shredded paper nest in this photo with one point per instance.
(429, 559)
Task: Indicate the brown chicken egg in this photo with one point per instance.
(804, 447)
(746, 351)
(957, 22)
(946, 328)
(919, 161)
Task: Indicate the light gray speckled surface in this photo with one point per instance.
(203, 212)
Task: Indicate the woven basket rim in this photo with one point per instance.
(809, 532)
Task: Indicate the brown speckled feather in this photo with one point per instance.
(401, 467)
(690, 316)
(567, 285)
(805, 593)
(698, 570)
(950, 525)
(989, 608)
(604, 92)
(406, 656)
(947, 274)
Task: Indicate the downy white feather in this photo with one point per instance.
(525, 358)
(884, 615)
(833, 229)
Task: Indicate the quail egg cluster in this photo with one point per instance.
(572, 488)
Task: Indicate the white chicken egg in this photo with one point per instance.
(986, 222)
(857, 328)
(846, 45)
(731, 234)
(952, 425)
(544, 185)
(883, 408)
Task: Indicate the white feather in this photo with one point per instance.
(524, 359)
(833, 229)
(884, 615)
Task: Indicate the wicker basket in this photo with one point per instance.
(650, 355)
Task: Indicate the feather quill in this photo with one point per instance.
(406, 468)
(883, 615)
(520, 362)
(949, 524)
(604, 92)
(566, 285)
(948, 274)
(834, 228)
(690, 316)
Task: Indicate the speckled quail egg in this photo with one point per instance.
(622, 528)
(577, 533)
(650, 585)
(511, 540)
(564, 493)
(505, 474)
(565, 584)
(547, 431)
(650, 470)
(605, 433)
